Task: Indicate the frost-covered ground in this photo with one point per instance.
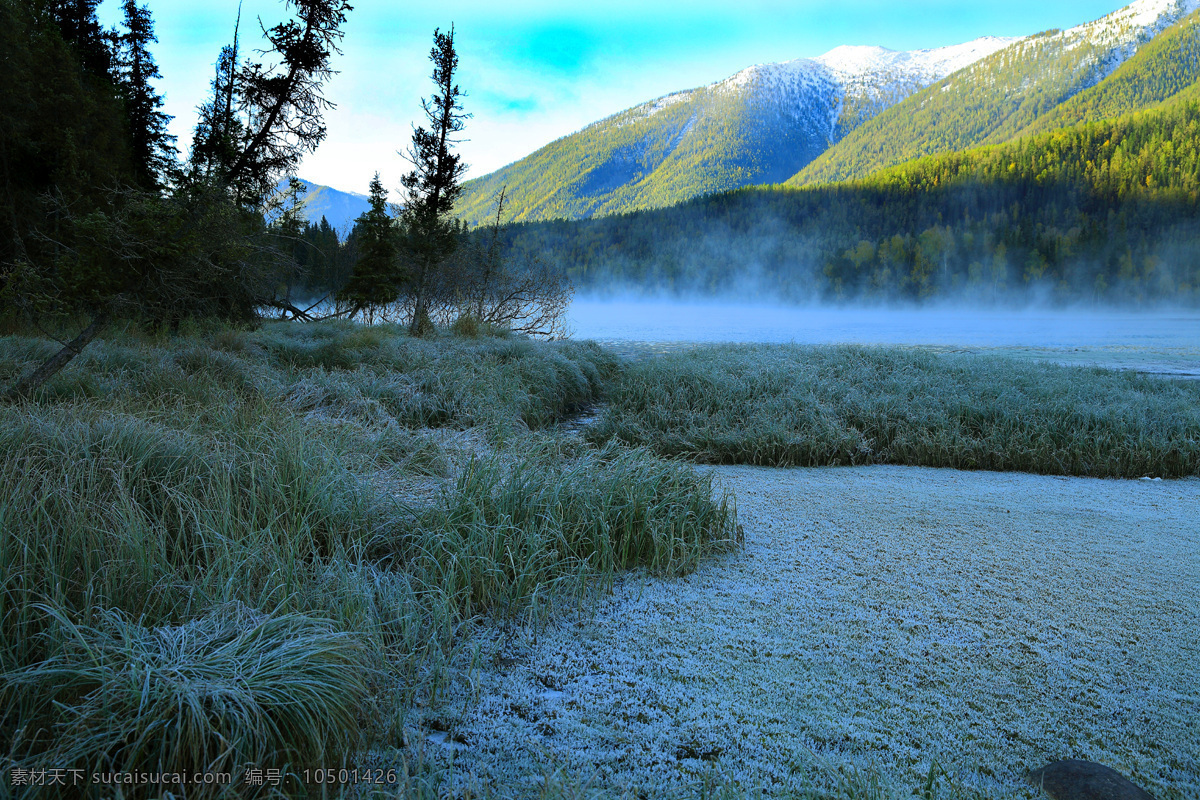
(879, 617)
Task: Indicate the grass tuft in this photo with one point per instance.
(228, 689)
(510, 529)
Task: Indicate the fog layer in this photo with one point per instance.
(1160, 341)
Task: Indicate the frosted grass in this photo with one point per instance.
(789, 405)
(231, 548)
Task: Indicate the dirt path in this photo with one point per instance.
(878, 617)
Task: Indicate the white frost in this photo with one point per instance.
(879, 617)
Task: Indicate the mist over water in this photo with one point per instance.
(1165, 341)
(665, 321)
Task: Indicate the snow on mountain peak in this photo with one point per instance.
(818, 87)
(1124, 29)
(882, 76)
(852, 62)
(854, 59)
(868, 67)
(1135, 17)
(802, 69)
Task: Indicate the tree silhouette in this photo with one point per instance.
(219, 132)
(153, 148)
(78, 23)
(374, 282)
(431, 234)
(283, 102)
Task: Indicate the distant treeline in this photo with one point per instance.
(1104, 212)
(323, 261)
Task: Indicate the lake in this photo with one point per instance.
(1164, 342)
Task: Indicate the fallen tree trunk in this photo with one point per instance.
(29, 384)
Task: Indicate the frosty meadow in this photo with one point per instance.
(762, 426)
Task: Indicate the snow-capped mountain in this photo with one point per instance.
(760, 125)
(998, 95)
(838, 115)
(858, 73)
(855, 82)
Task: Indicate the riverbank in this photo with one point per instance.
(806, 405)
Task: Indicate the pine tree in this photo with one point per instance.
(282, 102)
(374, 282)
(218, 130)
(62, 128)
(261, 119)
(79, 25)
(431, 234)
(153, 148)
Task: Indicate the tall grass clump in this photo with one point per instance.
(815, 406)
(122, 541)
(225, 690)
(513, 527)
(208, 560)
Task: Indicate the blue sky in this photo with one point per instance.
(535, 71)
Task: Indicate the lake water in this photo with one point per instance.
(1162, 342)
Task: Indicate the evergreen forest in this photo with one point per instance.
(1102, 212)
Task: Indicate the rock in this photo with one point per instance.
(1084, 780)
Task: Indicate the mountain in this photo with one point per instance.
(1006, 93)
(1162, 68)
(761, 125)
(1064, 166)
(848, 113)
(339, 208)
(1101, 212)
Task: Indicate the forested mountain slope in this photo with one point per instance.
(1166, 65)
(1007, 92)
(759, 126)
(1106, 211)
(339, 208)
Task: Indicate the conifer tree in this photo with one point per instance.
(79, 25)
(282, 102)
(262, 118)
(153, 147)
(431, 234)
(218, 129)
(62, 129)
(374, 282)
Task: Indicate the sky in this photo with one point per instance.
(536, 71)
